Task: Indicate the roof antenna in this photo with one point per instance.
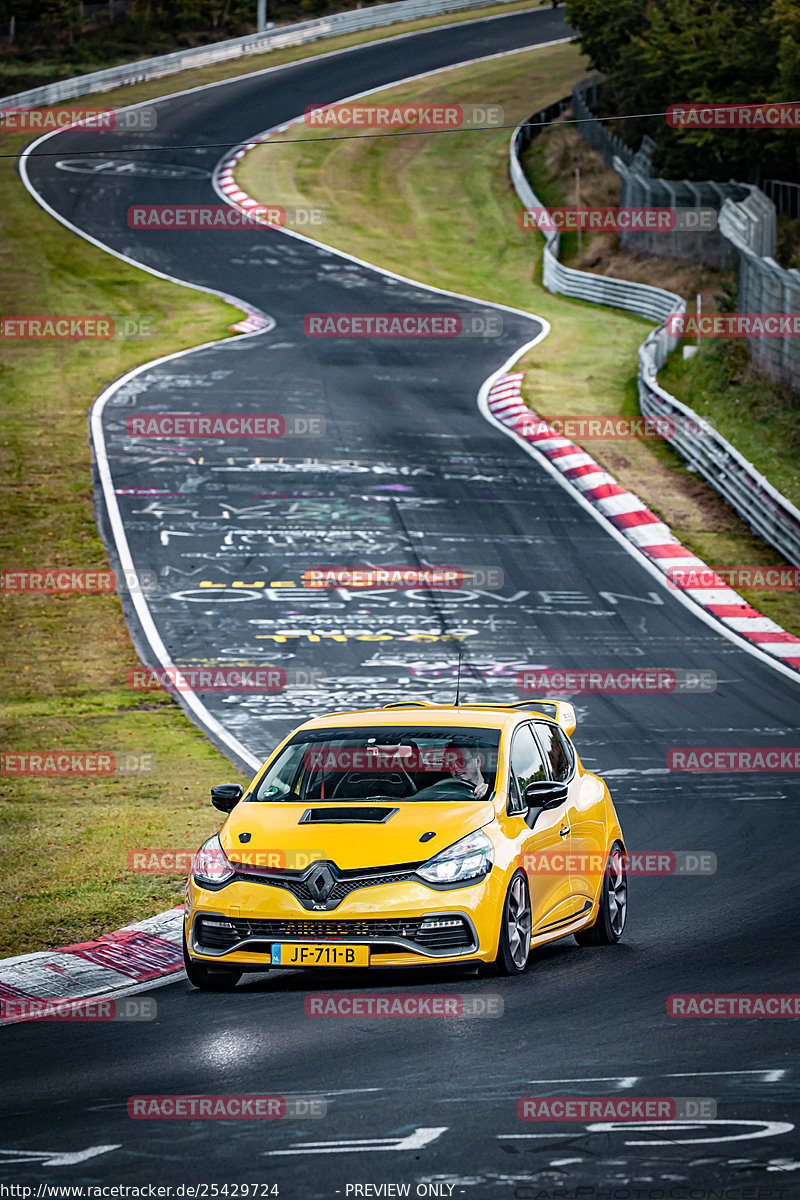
(458, 679)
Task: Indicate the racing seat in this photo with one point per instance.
(372, 783)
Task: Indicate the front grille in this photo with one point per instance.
(341, 888)
(296, 882)
(223, 933)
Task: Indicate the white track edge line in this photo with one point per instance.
(197, 706)
(138, 598)
(139, 601)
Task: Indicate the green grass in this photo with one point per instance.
(442, 209)
(453, 191)
(66, 658)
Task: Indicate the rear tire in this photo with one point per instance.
(209, 979)
(608, 925)
(515, 929)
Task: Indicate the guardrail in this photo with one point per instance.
(749, 493)
(745, 238)
(707, 452)
(257, 43)
(640, 298)
(750, 223)
(763, 285)
(648, 190)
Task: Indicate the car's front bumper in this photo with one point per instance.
(239, 924)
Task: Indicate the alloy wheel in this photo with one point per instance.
(519, 922)
(617, 891)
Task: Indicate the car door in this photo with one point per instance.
(543, 835)
(584, 810)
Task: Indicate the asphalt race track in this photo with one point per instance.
(410, 472)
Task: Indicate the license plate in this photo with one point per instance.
(315, 954)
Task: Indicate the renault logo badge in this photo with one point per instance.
(320, 883)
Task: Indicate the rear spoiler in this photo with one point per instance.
(561, 711)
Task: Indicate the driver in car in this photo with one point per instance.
(463, 759)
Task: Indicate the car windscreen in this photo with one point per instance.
(398, 763)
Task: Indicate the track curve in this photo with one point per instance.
(411, 470)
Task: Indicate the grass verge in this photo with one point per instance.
(64, 675)
(67, 657)
(454, 192)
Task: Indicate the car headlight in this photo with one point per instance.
(211, 863)
(464, 860)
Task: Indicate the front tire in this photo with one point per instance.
(209, 979)
(515, 929)
(608, 925)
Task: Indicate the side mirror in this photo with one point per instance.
(545, 793)
(225, 796)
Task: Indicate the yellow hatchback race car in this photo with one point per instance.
(409, 835)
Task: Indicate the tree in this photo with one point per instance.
(660, 52)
